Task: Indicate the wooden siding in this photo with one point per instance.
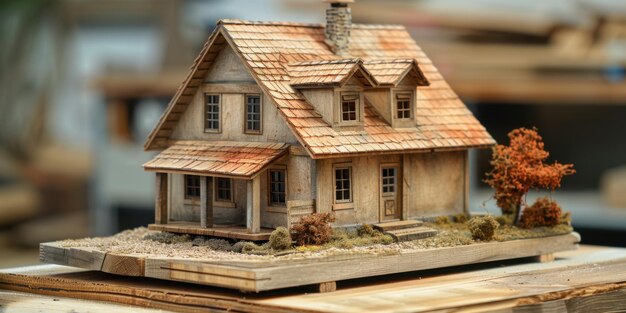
(433, 184)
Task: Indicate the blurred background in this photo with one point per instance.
(82, 83)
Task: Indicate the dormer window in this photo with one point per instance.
(349, 107)
(403, 105)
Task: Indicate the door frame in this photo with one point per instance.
(398, 194)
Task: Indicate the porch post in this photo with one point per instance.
(206, 205)
(160, 203)
(253, 205)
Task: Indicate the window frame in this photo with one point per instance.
(270, 203)
(219, 112)
(246, 130)
(357, 106)
(408, 96)
(186, 187)
(344, 203)
(216, 190)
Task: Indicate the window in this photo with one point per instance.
(211, 113)
(389, 180)
(403, 105)
(343, 186)
(277, 187)
(253, 114)
(349, 107)
(223, 189)
(192, 187)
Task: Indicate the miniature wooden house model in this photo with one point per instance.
(279, 120)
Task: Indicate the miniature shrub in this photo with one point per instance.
(344, 243)
(238, 246)
(544, 212)
(339, 234)
(313, 229)
(461, 218)
(250, 247)
(483, 227)
(365, 230)
(442, 220)
(383, 239)
(501, 220)
(280, 239)
(566, 218)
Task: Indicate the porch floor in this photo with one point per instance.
(223, 231)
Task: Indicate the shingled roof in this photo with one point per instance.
(267, 49)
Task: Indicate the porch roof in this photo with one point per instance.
(219, 158)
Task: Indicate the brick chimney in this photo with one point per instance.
(338, 24)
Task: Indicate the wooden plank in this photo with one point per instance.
(161, 202)
(123, 265)
(592, 279)
(253, 205)
(206, 201)
(11, 301)
(237, 88)
(222, 231)
(315, 272)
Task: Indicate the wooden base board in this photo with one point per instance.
(261, 275)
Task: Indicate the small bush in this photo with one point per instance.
(461, 218)
(566, 218)
(280, 239)
(238, 246)
(483, 227)
(313, 229)
(442, 220)
(365, 230)
(250, 247)
(544, 212)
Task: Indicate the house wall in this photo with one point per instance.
(229, 78)
(433, 184)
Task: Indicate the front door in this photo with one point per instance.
(390, 203)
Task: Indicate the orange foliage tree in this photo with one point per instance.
(521, 166)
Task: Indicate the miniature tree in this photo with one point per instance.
(521, 166)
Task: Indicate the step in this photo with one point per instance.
(414, 233)
(387, 226)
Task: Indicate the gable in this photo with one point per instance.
(231, 81)
(227, 67)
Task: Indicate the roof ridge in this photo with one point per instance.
(331, 61)
(231, 21)
(387, 60)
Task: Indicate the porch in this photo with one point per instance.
(205, 163)
(223, 231)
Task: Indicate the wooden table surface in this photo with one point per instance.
(591, 279)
